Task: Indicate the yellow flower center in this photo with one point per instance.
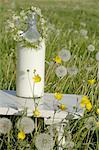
(91, 82)
(85, 102)
(58, 60)
(62, 107)
(97, 111)
(21, 135)
(58, 96)
(89, 106)
(36, 113)
(97, 123)
(37, 78)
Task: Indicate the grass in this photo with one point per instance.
(66, 17)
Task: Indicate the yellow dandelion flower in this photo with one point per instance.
(97, 123)
(36, 113)
(21, 135)
(91, 82)
(62, 107)
(84, 101)
(58, 60)
(37, 78)
(89, 106)
(82, 105)
(58, 96)
(97, 111)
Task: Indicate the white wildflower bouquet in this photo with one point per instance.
(21, 23)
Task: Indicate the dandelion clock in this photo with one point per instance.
(29, 30)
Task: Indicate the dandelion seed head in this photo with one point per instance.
(5, 125)
(44, 141)
(73, 70)
(90, 123)
(91, 48)
(97, 56)
(65, 55)
(98, 74)
(26, 124)
(61, 71)
(83, 32)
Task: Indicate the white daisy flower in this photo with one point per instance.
(5, 125)
(65, 55)
(97, 56)
(83, 32)
(91, 48)
(73, 70)
(44, 141)
(61, 71)
(26, 124)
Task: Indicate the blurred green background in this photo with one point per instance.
(63, 16)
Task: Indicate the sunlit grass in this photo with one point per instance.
(65, 20)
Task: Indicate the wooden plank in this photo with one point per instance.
(10, 104)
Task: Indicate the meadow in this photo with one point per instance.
(72, 25)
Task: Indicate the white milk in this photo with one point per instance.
(30, 59)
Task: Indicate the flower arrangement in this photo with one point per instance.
(29, 22)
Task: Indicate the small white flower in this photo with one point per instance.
(73, 70)
(91, 48)
(5, 125)
(83, 32)
(26, 124)
(97, 56)
(65, 55)
(44, 141)
(61, 71)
